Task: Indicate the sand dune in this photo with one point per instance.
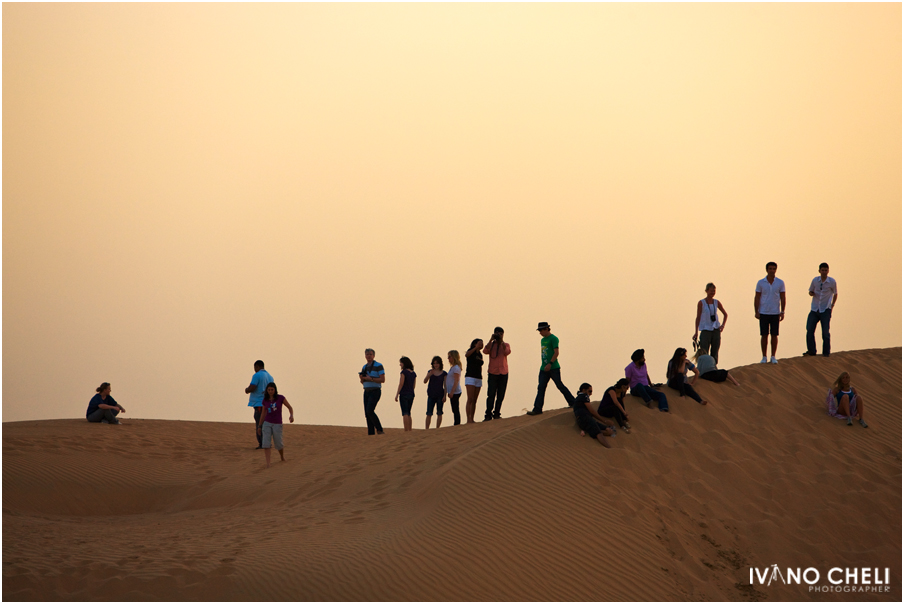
(518, 509)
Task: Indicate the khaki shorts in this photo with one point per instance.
(274, 430)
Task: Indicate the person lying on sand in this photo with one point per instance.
(848, 400)
(588, 419)
(103, 408)
(706, 364)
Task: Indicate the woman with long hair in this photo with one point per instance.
(473, 377)
(270, 426)
(676, 374)
(849, 401)
(453, 385)
(405, 392)
(436, 391)
(612, 404)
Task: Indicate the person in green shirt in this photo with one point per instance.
(549, 369)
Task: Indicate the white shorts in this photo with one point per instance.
(473, 382)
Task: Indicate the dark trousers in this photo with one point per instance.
(684, 389)
(822, 318)
(99, 415)
(716, 375)
(456, 414)
(496, 385)
(556, 376)
(648, 393)
(371, 398)
(611, 411)
(257, 421)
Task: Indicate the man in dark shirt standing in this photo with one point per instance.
(549, 369)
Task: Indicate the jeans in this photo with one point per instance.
(456, 415)
(556, 376)
(647, 394)
(823, 318)
(684, 389)
(103, 414)
(437, 402)
(496, 385)
(371, 398)
(611, 411)
(257, 421)
(710, 341)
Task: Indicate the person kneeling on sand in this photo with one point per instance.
(845, 402)
(613, 404)
(102, 408)
(706, 365)
(271, 421)
(591, 422)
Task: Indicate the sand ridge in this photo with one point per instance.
(518, 509)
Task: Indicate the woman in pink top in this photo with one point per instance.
(497, 373)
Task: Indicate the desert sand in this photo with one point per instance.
(517, 509)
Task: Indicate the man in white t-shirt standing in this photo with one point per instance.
(769, 308)
(824, 292)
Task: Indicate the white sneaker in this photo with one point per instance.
(764, 360)
(774, 361)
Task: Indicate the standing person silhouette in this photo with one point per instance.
(708, 323)
(549, 369)
(497, 373)
(769, 308)
(824, 292)
(256, 390)
(372, 377)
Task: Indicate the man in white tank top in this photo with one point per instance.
(708, 324)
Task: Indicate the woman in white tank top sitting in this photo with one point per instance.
(708, 324)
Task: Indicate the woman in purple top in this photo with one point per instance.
(640, 384)
(270, 425)
(436, 391)
(405, 393)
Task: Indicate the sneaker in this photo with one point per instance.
(809, 354)
(487, 419)
(116, 422)
(850, 422)
(774, 361)
(863, 423)
(532, 412)
(764, 360)
(104, 421)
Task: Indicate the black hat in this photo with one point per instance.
(542, 325)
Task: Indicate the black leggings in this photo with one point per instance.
(453, 402)
(684, 389)
(614, 412)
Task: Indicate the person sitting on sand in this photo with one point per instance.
(845, 402)
(639, 382)
(102, 408)
(706, 365)
(676, 373)
(271, 421)
(436, 391)
(405, 394)
(613, 405)
(591, 422)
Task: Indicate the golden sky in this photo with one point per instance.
(190, 187)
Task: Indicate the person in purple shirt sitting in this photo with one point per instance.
(639, 382)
